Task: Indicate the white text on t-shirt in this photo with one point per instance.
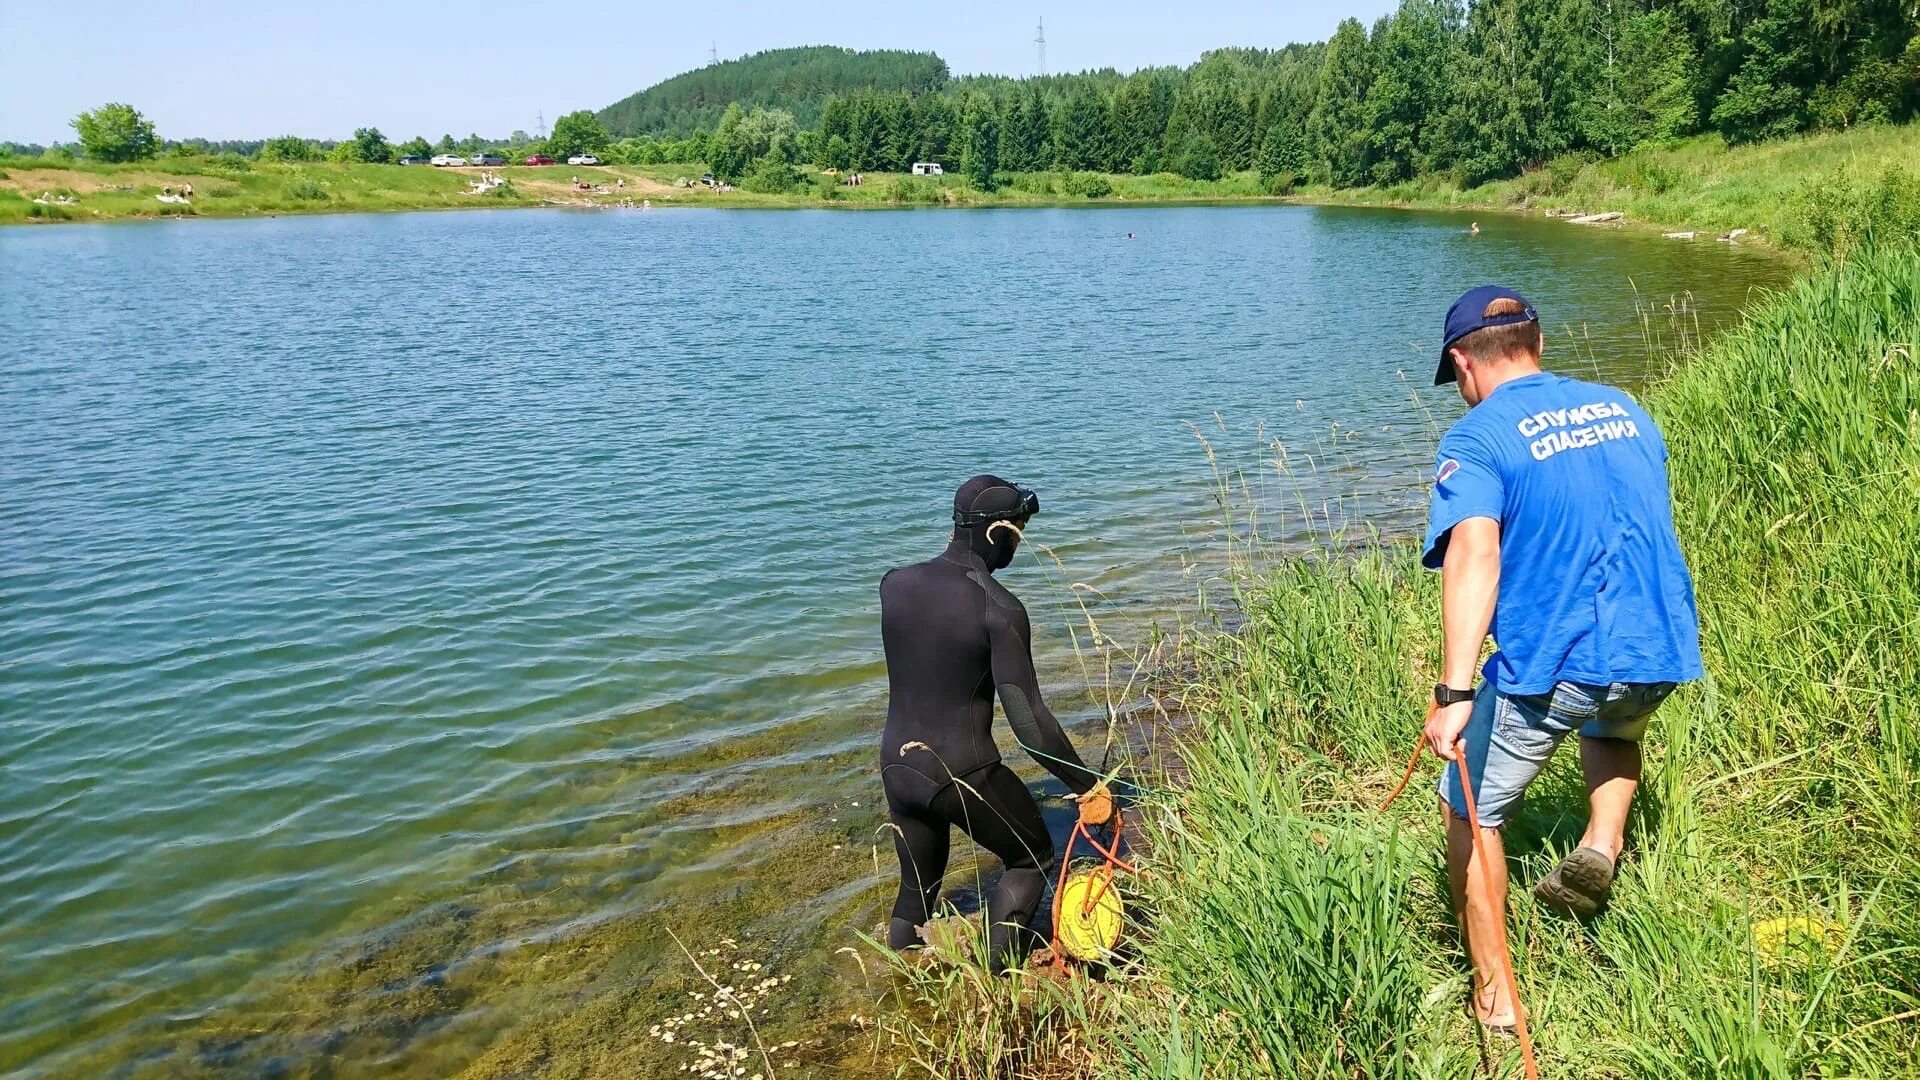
(1576, 428)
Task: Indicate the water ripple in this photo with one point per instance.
(353, 566)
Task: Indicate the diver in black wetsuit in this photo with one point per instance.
(953, 635)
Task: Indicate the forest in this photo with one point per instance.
(798, 80)
(1438, 87)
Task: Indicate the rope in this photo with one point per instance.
(1113, 862)
(1479, 850)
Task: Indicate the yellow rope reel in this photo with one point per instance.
(1088, 915)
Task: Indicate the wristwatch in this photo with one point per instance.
(1444, 695)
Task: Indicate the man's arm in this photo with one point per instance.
(1469, 585)
(1033, 723)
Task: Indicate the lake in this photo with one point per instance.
(407, 621)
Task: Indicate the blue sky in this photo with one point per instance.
(227, 69)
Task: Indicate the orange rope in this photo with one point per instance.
(1114, 862)
(1480, 849)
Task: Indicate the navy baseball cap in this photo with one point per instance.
(1464, 317)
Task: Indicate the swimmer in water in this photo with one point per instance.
(952, 636)
(1475, 230)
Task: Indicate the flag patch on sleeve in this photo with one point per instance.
(1447, 468)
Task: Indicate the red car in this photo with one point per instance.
(538, 159)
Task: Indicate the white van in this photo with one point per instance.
(928, 168)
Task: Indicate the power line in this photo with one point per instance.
(1040, 43)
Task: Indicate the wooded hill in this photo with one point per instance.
(799, 80)
(1439, 87)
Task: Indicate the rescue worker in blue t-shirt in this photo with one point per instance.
(1552, 529)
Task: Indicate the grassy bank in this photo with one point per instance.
(1788, 191)
(1764, 923)
(236, 188)
(1796, 192)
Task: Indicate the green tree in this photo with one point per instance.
(1012, 155)
(289, 148)
(745, 138)
(837, 155)
(1497, 123)
(1195, 157)
(1282, 157)
(1767, 96)
(728, 154)
(116, 132)
(1337, 127)
(1416, 55)
(804, 148)
(866, 133)
(934, 118)
(414, 147)
(899, 137)
(1141, 108)
(577, 133)
(979, 140)
(1029, 133)
(1217, 113)
(836, 123)
(1081, 133)
(1645, 86)
(771, 175)
(370, 146)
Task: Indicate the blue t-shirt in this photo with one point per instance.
(1593, 588)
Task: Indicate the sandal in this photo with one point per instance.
(1579, 885)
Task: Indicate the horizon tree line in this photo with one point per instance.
(1435, 88)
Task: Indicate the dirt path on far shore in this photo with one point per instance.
(637, 187)
(34, 181)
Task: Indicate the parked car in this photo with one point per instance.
(487, 157)
(583, 159)
(537, 159)
(413, 159)
(445, 160)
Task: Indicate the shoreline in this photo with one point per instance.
(1699, 186)
(1356, 198)
(1351, 199)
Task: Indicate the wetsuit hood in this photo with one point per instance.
(989, 494)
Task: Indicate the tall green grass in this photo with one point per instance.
(1798, 192)
(1294, 931)
(1782, 787)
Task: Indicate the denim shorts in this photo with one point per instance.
(1510, 738)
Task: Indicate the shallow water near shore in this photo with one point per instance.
(408, 620)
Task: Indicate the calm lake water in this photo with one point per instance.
(405, 620)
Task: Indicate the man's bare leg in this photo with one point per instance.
(1480, 899)
(1612, 769)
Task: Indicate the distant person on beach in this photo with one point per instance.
(1551, 526)
(953, 635)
